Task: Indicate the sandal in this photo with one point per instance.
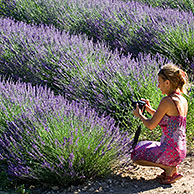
(171, 179)
(161, 176)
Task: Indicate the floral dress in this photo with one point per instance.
(171, 150)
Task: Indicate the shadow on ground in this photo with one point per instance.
(128, 186)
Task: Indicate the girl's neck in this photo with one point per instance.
(174, 92)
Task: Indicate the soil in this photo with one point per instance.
(131, 179)
(134, 179)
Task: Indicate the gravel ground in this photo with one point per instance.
(133, 179)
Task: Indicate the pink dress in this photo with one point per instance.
(171, 150)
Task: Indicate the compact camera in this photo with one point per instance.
(140, 103)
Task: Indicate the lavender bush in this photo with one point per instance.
(131, 27)
(178, 45)
(109, 88)
(190, 119)
(83, 73)
(47, 139)
(38, 54)
(77, 70)
(74, 68)
(186, 5)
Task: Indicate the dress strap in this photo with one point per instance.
(175, 104)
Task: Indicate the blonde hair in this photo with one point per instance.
(177, 77)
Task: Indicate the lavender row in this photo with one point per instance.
(46, 138)
(128, 26)
(186, 5)
(40, 54)
(178, 45)
(76, 69)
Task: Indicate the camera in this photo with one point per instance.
(140, 103)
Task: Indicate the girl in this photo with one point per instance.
(171, 116)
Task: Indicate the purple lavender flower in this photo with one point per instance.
(38, 151)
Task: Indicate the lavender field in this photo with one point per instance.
(67, 72)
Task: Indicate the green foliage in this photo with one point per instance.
(64, 146)
(185, 5)
(5, 181)
(178, 45)
(8, 184)
(190, 119)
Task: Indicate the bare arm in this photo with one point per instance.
(157, 115)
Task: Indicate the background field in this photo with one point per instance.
(68, 70)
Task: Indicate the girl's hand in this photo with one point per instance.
(137, 112)
(147, 106)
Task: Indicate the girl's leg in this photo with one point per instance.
(169, 170)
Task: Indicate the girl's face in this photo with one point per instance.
(163, 85)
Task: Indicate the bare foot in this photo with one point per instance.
(171, 170)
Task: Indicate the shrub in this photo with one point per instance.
(37, 54)
(185, 5)
(129, 27)
(76, 69)
(190, 119)
(178, 45)
(54, 141)
(109, 88)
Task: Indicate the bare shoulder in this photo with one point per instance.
(181, 104)
(166, 100)
(166, 103)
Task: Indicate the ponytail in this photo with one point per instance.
(177, 77)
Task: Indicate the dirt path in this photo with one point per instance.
(130, 180)
(139, 180)
(145, 182)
